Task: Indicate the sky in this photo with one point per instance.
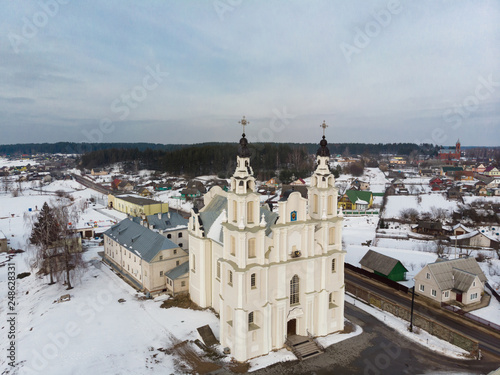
(187, 71)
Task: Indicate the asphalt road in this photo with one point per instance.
(487, 341)
(379, 350)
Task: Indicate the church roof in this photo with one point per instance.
(211, 218)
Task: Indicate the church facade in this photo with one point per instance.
(269, 274)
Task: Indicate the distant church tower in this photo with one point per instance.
(269, 274)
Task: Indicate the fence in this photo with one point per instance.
(428, 325)
(470, 316)
(493, 291)
(360, 213)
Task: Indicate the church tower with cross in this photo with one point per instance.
(271, 275)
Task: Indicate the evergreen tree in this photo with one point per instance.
(44, 235)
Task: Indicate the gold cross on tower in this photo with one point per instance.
(324, 126)
(244, 123)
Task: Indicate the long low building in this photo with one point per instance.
(135, 205)
(142, 256)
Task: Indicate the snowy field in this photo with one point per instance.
(422, 203)
(93, 332)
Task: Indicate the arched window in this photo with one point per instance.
(233, 245)
(251, 248)
(250, 212)
(315, 203)
(250, 318)
(330, 205)
(294, 290)
(235, 211)
(331, 236)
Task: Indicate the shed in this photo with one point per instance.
(383, 265)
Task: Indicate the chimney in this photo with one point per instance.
(159, 215)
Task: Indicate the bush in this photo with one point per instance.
(23, 275)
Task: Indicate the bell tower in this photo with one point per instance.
(323, 194)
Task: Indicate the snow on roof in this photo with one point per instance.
(2, 236)
(460, 225)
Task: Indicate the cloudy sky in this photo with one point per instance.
(187, 71)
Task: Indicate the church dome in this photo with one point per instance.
(243, 151)
(323, 150)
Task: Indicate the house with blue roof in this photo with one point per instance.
(142, 256)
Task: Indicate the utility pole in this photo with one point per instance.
(412, 303)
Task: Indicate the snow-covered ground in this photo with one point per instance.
(93, 332)
(422, 203)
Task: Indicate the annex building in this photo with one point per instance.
(270, 275)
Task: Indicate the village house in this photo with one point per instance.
(98, 172)
(383, 265)
(270, 275)
(142, 256)
(459, 280)
(492, 171)
(358, 184)
(466, 237)
(432, 228)
(135, 205)
(356, 200)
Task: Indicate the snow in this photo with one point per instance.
(93, 331)
(401, 326)
(422, 203)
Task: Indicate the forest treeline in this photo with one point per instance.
(335, 148)
(79, 148)
(219, 158)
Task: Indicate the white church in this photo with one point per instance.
(269, 275)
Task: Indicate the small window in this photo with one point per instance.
(169, 235)
(218, 269)
(180, 245)
(433, 292)
(176, 262)
(230, 278)
(175, 251)
(421, 287)
(252, 281)
(161, 257)
(473, 296)
(473, 283)
(333, 266)
(179, 235)
(161, 273)
(447, 294)
(428, 276)
(250, 318)
(183, 283)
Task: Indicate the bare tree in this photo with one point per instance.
(57, 248)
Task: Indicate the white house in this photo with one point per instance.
(270, 275)
(458, 280)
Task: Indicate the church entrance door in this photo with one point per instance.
(291, 328)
